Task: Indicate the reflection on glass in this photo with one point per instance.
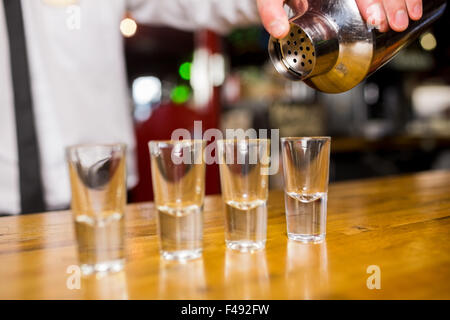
(306, 270)
(246, 275)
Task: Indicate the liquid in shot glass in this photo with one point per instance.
(178, 177)
(98, 183)
(244, 179)
(306, 167)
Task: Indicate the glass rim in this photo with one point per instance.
(74, 147)
(315, 138)
(168, 143)
(242, 140)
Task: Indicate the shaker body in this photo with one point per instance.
(388, 44)
(331, 48)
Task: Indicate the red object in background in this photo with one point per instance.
(166, 118)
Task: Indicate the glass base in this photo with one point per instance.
(306, 238)
(182, 255)
(104, 267)
(246, 246)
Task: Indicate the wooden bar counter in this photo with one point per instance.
(400, 224)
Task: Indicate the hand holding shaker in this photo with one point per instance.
(331, 47)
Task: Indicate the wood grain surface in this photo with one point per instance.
(400, 224)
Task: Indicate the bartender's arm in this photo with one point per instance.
(222, 15)
(383, 14)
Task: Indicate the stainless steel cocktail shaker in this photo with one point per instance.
(331, 48)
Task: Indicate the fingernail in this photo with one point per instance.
(417, 11)
(278, 28)
(401, 19)
(374, 15)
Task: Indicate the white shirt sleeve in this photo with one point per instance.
(216, 15)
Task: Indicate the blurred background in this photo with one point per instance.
(396, 122)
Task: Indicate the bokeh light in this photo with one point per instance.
(128, 27)
(428, 41)
(180, 94)
(185, 71)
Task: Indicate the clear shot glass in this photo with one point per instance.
(305, 167)
(178, 177)
(244, 179)
(98, 183)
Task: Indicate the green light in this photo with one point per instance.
(180, 94)
(185, 70)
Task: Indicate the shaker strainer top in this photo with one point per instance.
(309, 50)
(298, 51)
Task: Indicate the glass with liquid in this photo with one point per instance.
(178, 177)
(244, 179)
(98, 183)
(305, 167)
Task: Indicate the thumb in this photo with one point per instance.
(273, 17)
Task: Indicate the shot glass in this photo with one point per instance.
(244, 179)
(305, 167)
(98, 183)
(178, 177)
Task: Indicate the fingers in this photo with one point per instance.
(380, 14)
(373, 13)
(273, 17)
(395, 14)
(414, 9)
